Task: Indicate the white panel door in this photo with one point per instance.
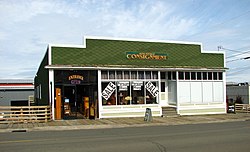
(196, 92)
(184, 92)
(172, 95)
(207, 89)
(218, 91)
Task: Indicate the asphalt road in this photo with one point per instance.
(211, 137)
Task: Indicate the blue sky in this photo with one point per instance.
(28, 26)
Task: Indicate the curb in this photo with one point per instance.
(164, 122)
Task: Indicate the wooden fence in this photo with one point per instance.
(24, 114)
(242, 108)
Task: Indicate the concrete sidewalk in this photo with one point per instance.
(121, 122)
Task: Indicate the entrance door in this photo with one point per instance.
(164, 94)
(58, 104)
(84, 100)
(78, 101)
(69, 102)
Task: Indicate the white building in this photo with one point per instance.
(123, 77)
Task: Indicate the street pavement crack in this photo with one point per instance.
(160, 146)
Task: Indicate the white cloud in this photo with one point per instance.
(27, 26)
(148, 21)
(24, 10)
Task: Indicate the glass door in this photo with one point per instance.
(69, 102)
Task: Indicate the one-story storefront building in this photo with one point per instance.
(111, 77)
(238, 93)
(16, 92)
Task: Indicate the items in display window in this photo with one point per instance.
(86, 107)
(67, 110)
(130, 92)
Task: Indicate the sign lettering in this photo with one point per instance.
(152, 89)
(146, 56)
(137, 85)
(123, 85)
(107, 92)
(75, 81)
(73, 77)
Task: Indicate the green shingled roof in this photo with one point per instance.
(100, 52)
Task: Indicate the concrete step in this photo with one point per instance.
(169, 111)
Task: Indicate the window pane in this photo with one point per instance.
(187, 75)
(210, 75)
(138, 92)
(169, 75)
(151, 96)
(220, 76)
(163, 75)
(119, 74)
(111, 74)
(174, 75)
(193, 75)
(155, 75)
(134, 75)
(204, 75)
(198, 75)
(181, 75)
(126, 74)
(141, 74)
(123, 90)
(107, 98)
(162, 86)
(104, 74)
(215, 76)
(148, 74)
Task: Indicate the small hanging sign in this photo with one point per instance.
(123, 85)
(75, 79)
(137, 85)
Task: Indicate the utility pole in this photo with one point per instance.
(219, 47)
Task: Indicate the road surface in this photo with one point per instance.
(211, 137)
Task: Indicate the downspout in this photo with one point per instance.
(177, 93)
(51, 103)
(99, 93)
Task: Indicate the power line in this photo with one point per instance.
(222, 23)
(245, 58)
(220, 47)
(237, 70)
(239, 52)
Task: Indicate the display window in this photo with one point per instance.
(109, 93)
(129, 87)
(151, 92)
(138, 93)
(123, 93)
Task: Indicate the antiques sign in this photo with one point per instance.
(75, 79)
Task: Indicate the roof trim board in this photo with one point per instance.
(63, 67)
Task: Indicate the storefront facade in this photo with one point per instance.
(122, 77)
